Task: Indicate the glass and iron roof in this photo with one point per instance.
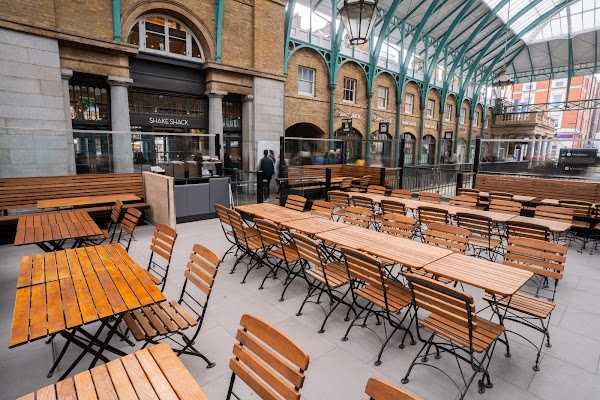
(535, 39)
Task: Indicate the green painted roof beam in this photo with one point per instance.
(411, 12)
(219, 6)
(417, 34)
(287, 23)
(116, 11)
(455, 9)
(530, 59)
(550, 56)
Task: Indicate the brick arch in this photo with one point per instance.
(176, 10)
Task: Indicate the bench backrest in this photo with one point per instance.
(539, 187)
(296, 173)
(27, 191)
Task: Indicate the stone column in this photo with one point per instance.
(215, 120)
(65, 75)
(544, 152)
(119, 116)
(538, 146)
(530, 147)
(248, 138)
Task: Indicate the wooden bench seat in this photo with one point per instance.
(539, 187)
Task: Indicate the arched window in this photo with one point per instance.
(162, 34)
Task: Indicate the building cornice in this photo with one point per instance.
(240, 70)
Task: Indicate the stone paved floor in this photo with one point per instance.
(337, 370)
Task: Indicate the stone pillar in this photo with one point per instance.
(65, 75)
(530, 147)
(544, 153)
(538, 147)
(215, 120)
(248, 137)
(119, 116)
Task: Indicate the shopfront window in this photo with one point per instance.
(232, 115)
(89, 103)
(141, 101)
(165, 35)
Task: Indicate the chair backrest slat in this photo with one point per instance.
(430, 197)
(378, 389)
(163, 241)
(431, 215)
(463, 201)
(506, 206)
(364, 268)
(402, 194)
(340, 199)
(322, 208)
(561, 214)
(393, 207)
(376, 189)
(447, 236)
(501, 196)
(267, 360)
(398, 225)
(358, 216)
(295, 202)
(115, 213)
(202, 268)
(527, 230)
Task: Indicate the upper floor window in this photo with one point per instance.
(463, 114)
(409, 102)
(430, 108)
(350, 90)
(476, 118)
(486, 123)
(382, 97)
(161, 34)
(528, 86)
(448, 113)
(559, 83)
(306, 81)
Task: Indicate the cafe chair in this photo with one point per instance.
(532, 306)
(170, 320)
(452, 327)
(483, 239)
(109, 231)
(468, 192)
(341, 200)
(583, 220)
(322, 208)
(127, 227)
(449, 237)
(384, 298)
(399, 225)
(295, 202)
(324, 278)
(464, 201)
(221, 211)
(430, 197)
(505, 207)
(267, 360)
(161, 251)
(346, 184)
(358, 216)
(558, 214)
(369, 204)
(401, 194)
(377, 189)
(500, 196)
(362, 186)
(393, 207)
(527, 230)
(378, 389)
(431, 215)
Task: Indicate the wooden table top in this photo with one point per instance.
(404, 251)
(152, 373)
(273, 212)
(312, 226)
(65, 289)
(553, 226)
(492, 277)
(516, 197)
(55, 226)
(86, 200)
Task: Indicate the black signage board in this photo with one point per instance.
(175, 121)
(346, 125)
(448, 135)
(578, 156)
(384, 127)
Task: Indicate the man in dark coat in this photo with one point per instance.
(267, 166)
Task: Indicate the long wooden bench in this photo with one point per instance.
(539, 187)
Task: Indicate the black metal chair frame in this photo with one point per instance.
(219, 208)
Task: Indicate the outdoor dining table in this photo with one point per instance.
(273, 212)
(86, 200)
(155, 372)
(312, 226)
(49, 231)
(517, 197)
(553, 226)
(407, 252)
(60, 292)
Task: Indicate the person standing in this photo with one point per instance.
(267, 166)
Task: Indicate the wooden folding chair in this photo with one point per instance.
(376, 189)
(127, 226)
(362, 186)
(267, 360)
(358, 216)
(447, 236)
(322, 208)
(461, 332)
(430, 197)
(505, 207)
(553, 213)
(163, 241)
(483, 238)
(582, 220)
(535, 301)
(108, 233)
(468, 192)
(168, 320)
(295, 202)
(431, 215)
(284, 253)
(464, 201)
(226, 227)
(346, 184)
(402, 194)
(324, 278)
(378, 389)
(399, 225)
(500, 196)
(527, 230)
(341, 200)
(393, 207)
(385, 298)
(369, 204)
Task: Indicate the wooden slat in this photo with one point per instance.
(65, 389)
(84, 385)
(138, 378)
(69, 300)
(121, 381)
(86, 304)
(56, 318)
(38, 324)
(155, 375)
(25, 269)
(19, 333)
(103, 384)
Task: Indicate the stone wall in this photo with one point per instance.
(32, 97)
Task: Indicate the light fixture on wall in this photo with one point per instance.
(359, 18)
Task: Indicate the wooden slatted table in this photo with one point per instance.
(492, 277)
(49, 231)
(516, 197)
(60, 292)
(155, 372)
(86, 200)
(273, 212)
(312, 226)
(403, 251)
(553, 226)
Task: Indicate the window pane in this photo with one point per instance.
(196, 50)
(134, 35)
(155, 24)
(177, 46)
(155, 41)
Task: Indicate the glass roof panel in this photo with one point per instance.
(580, 17)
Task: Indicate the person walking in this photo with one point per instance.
(267, 166)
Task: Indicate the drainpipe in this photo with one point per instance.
(116, 9)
